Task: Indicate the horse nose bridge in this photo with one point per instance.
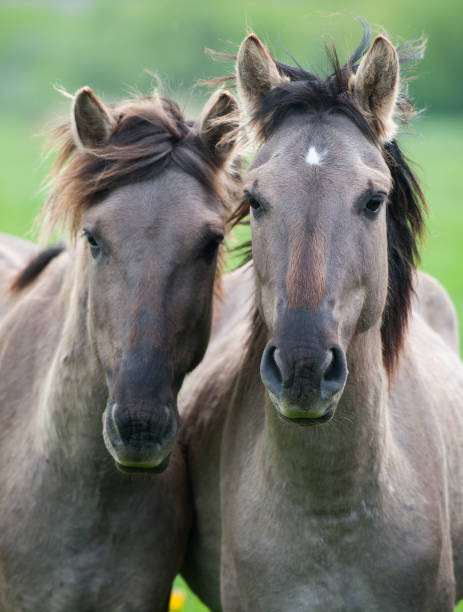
(147, 327)
(303, 331)
(147, 320)
(143, 375)
(306, 275)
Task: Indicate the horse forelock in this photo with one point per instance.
(150, 135)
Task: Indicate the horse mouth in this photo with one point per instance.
(143, 469)
(308, 421)
(303, 416)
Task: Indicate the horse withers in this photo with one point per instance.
(329, 445)
(95, 341)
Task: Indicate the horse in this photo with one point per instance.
(95, 340)
(323, 427)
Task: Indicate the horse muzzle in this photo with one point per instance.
(140, 440)
(304, 391)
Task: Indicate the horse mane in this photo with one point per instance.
(33, 268)
(150, 135)
(308, 92)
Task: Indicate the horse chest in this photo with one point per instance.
(75, 569)
(74, 550)
(278, 555)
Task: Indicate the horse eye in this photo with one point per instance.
(209, 250)
(94, 246)
(253, 203)
(374, 204)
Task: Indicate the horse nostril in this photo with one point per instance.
(334, 375)
(270, 371)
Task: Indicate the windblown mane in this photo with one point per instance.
(305, 91)
(150, 135)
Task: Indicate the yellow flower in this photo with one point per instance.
(177, 599)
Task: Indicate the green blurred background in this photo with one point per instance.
(110, 45)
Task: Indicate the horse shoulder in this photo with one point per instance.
(427, 401)
(427, 391)
(431, 369)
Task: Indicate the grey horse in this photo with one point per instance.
(324, 427)
(95, 341)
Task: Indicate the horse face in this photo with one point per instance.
(152, 253)
(318, 191)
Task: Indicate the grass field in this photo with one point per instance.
(436, 146)
(439, 152)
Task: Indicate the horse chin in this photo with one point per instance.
(139, 463)
(308, 421)
(143, 469)
(321, 412)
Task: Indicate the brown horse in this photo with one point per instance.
(324, 428)
(106, 330)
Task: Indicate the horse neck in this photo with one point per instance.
(73, 392)
(339, 462)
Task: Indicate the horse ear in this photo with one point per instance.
(93, 124)
(376, 85)
(218, 124)
(256, 72)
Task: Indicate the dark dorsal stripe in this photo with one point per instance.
(34, 267)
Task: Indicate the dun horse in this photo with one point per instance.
(95, 342)
(325, 431)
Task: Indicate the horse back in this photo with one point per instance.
(434, 304)
(14, 254)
